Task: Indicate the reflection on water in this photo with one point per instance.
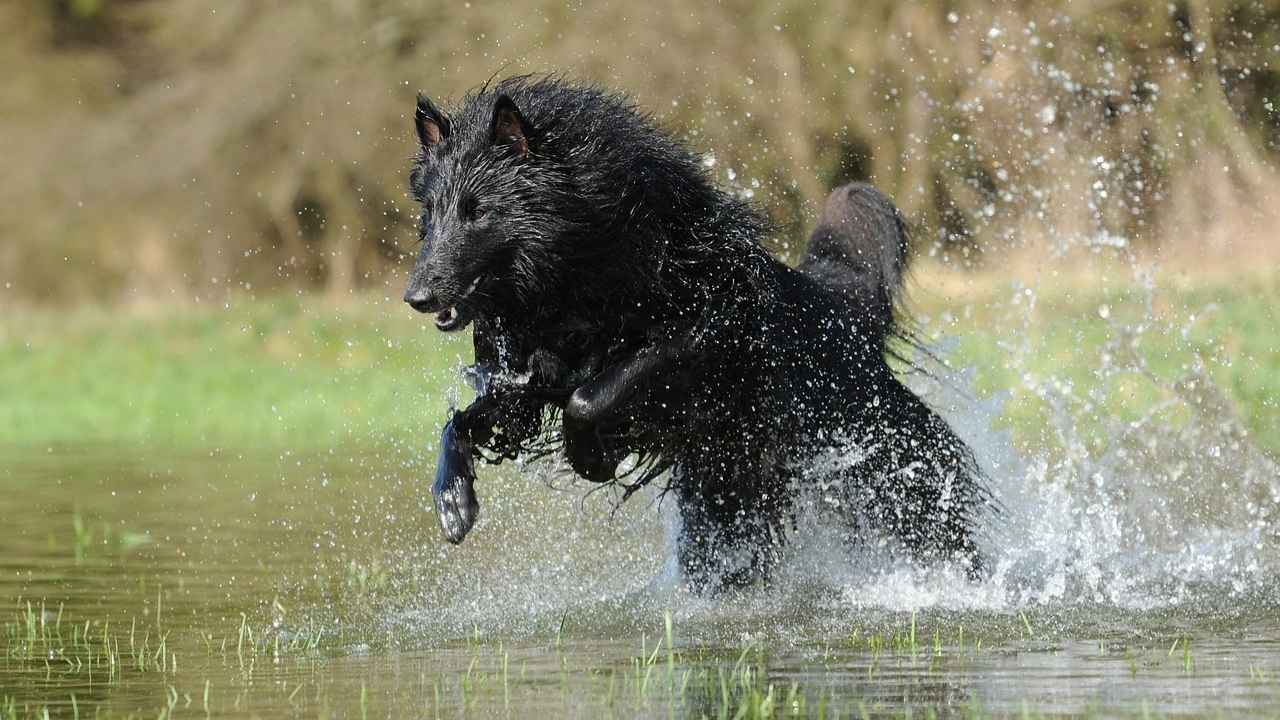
(288, 585)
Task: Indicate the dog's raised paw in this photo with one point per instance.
(454, 488)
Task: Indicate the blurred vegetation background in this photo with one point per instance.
(185, 148)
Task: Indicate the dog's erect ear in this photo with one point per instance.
(432, 124)
(509, 126)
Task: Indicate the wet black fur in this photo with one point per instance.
(636, 299)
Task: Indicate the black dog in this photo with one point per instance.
(625, 307)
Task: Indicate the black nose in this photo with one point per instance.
(424, 301)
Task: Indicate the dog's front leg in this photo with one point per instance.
(453, 490)
(454, 487)
(601, 397)
(497, 404)
(604, 395)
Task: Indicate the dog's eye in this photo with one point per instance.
(467, 209)
(471, 210)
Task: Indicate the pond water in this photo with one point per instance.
(219, 584)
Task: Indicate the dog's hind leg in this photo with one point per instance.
(728, 538)
(925, 487)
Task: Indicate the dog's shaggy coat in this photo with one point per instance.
(624, 305)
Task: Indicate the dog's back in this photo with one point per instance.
(859, 249)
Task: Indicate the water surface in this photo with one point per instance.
(283, 585)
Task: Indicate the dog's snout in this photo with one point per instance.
(422, 299)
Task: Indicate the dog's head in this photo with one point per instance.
(489, 216)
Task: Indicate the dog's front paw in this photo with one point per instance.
(454, 488)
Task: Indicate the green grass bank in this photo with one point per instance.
(297, 371)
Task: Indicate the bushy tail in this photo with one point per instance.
(859, 248)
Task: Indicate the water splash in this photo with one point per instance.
(1173, 508)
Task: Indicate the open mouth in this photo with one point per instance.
(456, 317)
(449, 319)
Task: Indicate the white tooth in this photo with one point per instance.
(474, 284)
